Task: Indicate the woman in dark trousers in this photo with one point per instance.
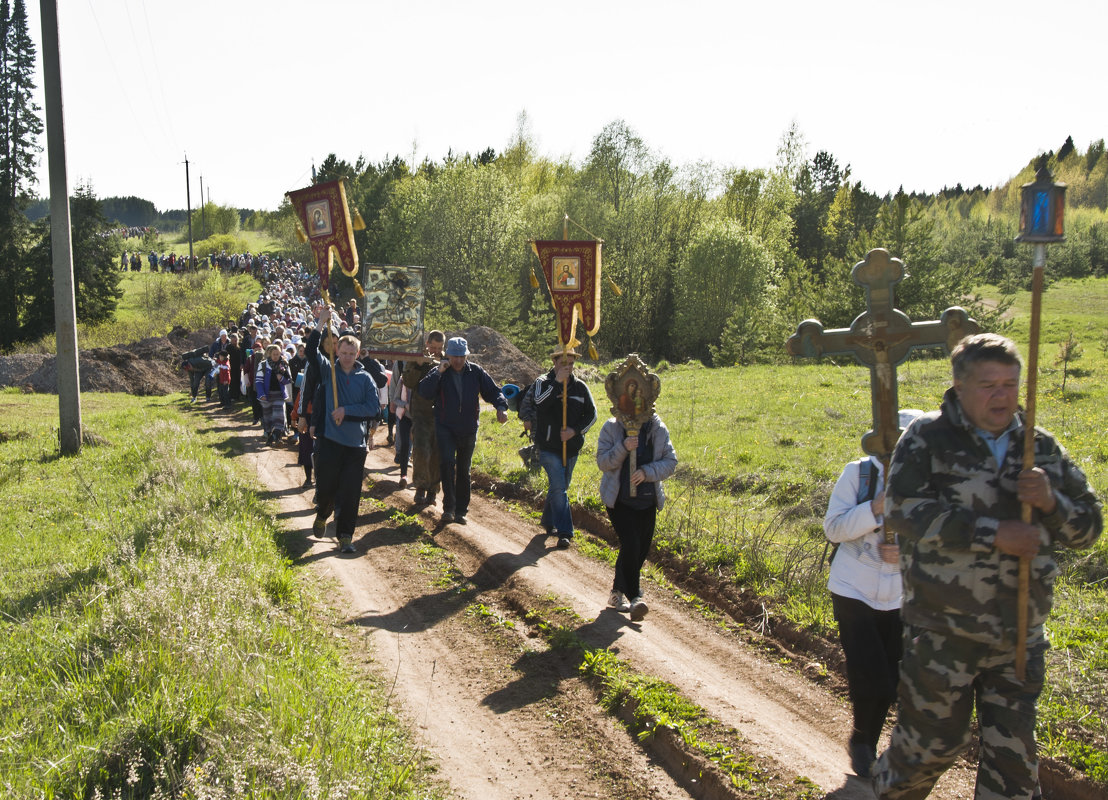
(633, 518)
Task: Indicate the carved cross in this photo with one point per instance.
(881, 338)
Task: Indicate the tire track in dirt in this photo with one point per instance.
(493, 727)
(496, 731)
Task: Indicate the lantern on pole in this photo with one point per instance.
(1042, 209)
(1042, 221)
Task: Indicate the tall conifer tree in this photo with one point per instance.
(20, 128)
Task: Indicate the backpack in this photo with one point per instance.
(867, 490)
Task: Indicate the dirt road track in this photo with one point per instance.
(509, 721)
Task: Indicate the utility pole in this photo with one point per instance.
(70, 432)
(203, 225)
(188, 206)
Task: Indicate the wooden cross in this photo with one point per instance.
(881, 338)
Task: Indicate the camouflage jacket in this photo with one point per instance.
(947, 495)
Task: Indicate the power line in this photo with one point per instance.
(119, 80)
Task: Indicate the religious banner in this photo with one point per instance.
(392, 311)
(572, 271)
(328, 226)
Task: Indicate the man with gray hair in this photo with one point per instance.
(956, 484)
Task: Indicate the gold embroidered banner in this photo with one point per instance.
(326, 219)
(572, 271)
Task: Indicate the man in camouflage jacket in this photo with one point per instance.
(956, 483)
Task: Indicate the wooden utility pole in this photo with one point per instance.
(203, 225)
(65, 306)
(188, 206)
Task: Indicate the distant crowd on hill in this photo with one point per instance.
(255, 264)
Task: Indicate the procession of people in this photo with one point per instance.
(923, 578)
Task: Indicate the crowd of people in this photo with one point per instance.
(924, 577)
(257, 264)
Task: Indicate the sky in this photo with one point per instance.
(921, 95)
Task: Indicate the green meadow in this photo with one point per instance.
(153, 303)
(155, 640)
(760, 448)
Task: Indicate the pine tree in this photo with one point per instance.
(21, 123)
(20, 128)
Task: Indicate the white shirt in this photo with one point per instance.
(857, 570)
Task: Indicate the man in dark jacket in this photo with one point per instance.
(457, 388)
(542, 414)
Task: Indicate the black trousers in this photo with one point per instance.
(338, 480)
(455, 458)
(404, 443)
(872, 645)
(635, 529)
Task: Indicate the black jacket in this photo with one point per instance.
(542, 407)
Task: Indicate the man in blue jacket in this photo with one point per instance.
(341, 444)
(457, 388)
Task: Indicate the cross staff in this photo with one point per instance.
(881, 338)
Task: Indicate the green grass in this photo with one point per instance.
(153, 303)
(241, 241)
(760, 448)
(154, 639)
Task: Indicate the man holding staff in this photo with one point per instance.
(351, 399)
(956, 484)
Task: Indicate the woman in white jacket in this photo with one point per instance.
(865, 596)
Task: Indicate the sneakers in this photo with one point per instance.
(403, 482)
(319, 528)
(346, 546)
(638, 609)
(460, 519)
(563, 542)
(447, 517)
(862, 757)
(618, 601)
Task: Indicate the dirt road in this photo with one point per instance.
(505, 716)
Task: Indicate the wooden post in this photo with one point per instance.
(564, 347)
(1026, 511)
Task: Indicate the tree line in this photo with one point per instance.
(714, 263)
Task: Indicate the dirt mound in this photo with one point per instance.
(16, 369)
(147, 367)
(505, 362)
(150, 366)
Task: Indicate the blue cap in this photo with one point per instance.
(457, 346)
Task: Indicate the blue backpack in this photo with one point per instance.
(867, 490)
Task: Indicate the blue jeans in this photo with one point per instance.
(555, 511)
(455, 458)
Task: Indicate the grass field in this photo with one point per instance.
(761, 447)
(154, 641)
(153, 303)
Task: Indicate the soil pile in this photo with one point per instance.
(151, 366)
(147, 367)
(505, 362)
